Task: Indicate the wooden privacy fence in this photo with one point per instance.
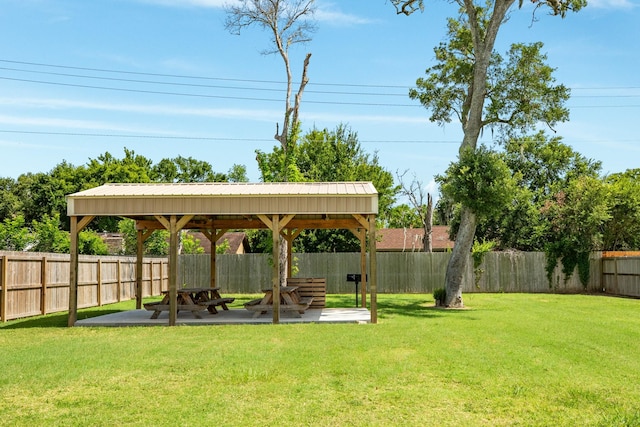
(33, 283)
(404, 272)
(621, 273)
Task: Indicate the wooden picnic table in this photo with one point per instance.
(194, 300)
(289, 301)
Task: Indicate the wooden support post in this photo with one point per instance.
(212, 255)
(173, 270)
(275, 279)
(77, 225)
(43, 286)
(289, 236)
(363, 269)
(3, 282)
(373, 269)
(139, 257)
(73, 272)
(213, 235)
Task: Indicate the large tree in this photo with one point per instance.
(466, 77)
(541, 166)
(185, 169)
(622, 230)
(289, 22)
(329, 155)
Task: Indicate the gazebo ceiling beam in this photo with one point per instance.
(251, 224)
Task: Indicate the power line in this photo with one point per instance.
(200, 138)
(239, 98)
(183, 76)
(192, 84)
(311, 83)
(114, 135)
(225, 139)
(200, 95)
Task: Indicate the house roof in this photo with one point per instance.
(410, 239)
(238, 243)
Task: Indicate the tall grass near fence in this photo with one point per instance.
(510, 359)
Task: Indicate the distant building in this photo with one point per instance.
(114, 242)
(238, 242)
(410, 239)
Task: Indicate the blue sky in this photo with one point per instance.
(185, 86)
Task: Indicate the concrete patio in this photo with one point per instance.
(234, 316)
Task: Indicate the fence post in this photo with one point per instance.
(151, 276)
(119, 280)
(615, 271)
(3, 283)
(99, 280)
(162, 269)
(43, 284)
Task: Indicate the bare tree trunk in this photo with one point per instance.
(427, 240)
(283, 260)
(459, 259)
(472, 124)
(288, 23)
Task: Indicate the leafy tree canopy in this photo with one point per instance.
(326, 156)
(520, 93)
(481, 179)
(622, 231)
(34, 204)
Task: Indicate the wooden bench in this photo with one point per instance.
(313, 287)
(212, 303)
(159, 307)
(298, 309)
(253, 302)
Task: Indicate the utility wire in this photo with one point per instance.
(311, 83)
(50, 73)
(239, 98)
(181, 76)
(202, 138)
(200, 95)
(225, 139)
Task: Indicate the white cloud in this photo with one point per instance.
(263, 115)
(190, 3)
(326, 12)
(165, 110)
(70, 124)
(336, 17)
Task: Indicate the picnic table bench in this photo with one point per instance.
(194, 300)
(290, 301)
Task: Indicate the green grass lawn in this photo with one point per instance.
(509, 359)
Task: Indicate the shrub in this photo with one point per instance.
(439, 295)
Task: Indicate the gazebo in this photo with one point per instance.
(214, 208)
